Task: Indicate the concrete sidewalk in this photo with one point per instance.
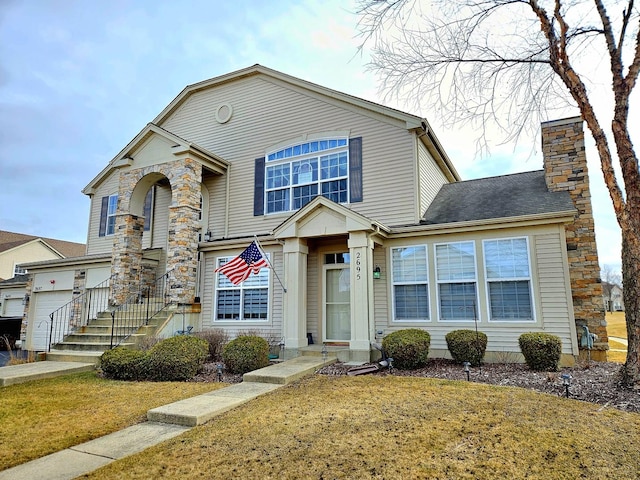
(27, 372)
(163, 422)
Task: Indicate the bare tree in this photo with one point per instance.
(508, 64)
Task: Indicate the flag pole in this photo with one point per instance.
(264, 255)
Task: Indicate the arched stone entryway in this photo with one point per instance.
(184, 176)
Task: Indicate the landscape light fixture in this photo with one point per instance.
(219, 371)
(282, 348)
(566, 381)
(325, 352)
(466, 369)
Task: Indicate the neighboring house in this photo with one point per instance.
(16, 249)
(362, 214)
(612, 297)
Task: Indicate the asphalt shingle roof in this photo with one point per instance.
(9, 240)
(496, 197)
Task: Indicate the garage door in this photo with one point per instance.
(12, 307)
(40, 322)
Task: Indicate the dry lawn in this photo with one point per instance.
(45, 416)
(398, 427)
(616, 327)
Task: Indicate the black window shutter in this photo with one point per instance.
(103, 216)
(355, 169)
(148, 202)
(258, 188)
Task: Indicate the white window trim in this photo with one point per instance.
(394, 283)
(466, 280)
(300, 158)
(17, 270)
(514, 279)
(241, 288)
(110, 215)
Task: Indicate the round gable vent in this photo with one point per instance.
(223, 113)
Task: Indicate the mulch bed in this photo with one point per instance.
(597, 382)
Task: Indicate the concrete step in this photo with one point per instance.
(94, 337)
(288, 371)
(86, 346)
(90, 357)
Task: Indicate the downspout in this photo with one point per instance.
(226, 204)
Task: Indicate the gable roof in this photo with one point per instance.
(210, 160)
(9, 240)
(504, 196)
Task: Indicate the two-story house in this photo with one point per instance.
(361, 213)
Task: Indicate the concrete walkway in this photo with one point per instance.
(163, 422)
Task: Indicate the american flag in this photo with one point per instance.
(248, 262)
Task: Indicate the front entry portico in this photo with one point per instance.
(347, 287)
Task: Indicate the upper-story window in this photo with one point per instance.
(18, 270)
(296, 174)
(108, 215)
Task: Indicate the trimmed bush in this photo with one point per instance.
(123, 364)
(177, 358)
(541, 350)
(409, 348)
(467, 346)
(245, 353)
(217, 339)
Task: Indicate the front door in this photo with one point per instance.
(336, 301)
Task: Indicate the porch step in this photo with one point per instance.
(88, 356)
(66, 346)
(341, 352)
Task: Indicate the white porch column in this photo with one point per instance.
(361, 263)
(295, 300)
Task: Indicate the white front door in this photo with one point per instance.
(336, 301)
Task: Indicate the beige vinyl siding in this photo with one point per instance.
(267, 113)
(431, 178)
(160, 223)
(382, 301)
(555, 294)
(271, 329)
(96, 244)
(215, 221)
(551, 296)
(314, 296)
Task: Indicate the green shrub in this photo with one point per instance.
(176, 358)
(217, 339)
(409, 348)
(467, 346)
(541, 350)
(245, 353)
(123, 364)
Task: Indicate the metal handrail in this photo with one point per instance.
(138, 309)
(77, 313)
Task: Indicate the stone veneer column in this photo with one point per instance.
(565, 165)
(127, 257)
(184, 225)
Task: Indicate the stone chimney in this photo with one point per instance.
(565, 167)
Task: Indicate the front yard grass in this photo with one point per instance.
(398, 427)
(45, 416)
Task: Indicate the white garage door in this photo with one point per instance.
(45, 303)
(12, 307)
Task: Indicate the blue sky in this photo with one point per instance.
(79, 79)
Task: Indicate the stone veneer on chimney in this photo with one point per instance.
(565, 167)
